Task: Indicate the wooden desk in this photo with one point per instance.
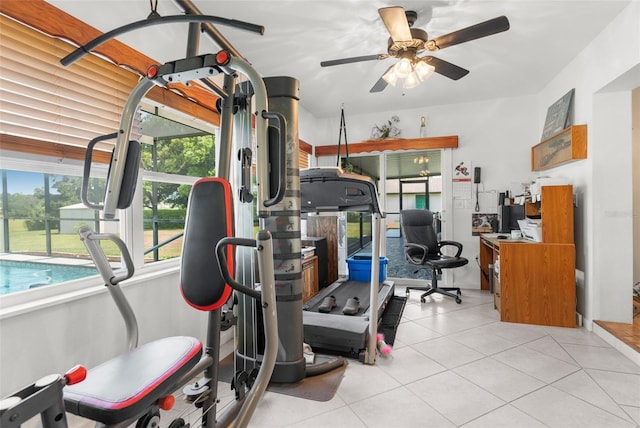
(309, 278)
(533, 283)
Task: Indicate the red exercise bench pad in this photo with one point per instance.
(127, 385)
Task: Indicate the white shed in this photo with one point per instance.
(76, 215)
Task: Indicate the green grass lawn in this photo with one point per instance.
(22, 240)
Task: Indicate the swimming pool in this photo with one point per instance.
(18, 276)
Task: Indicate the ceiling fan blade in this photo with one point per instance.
(381, 84)
(352, 59)
(483, 29)
(445, 68)
(395, 20)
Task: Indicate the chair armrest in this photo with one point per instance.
(458, 245)
(423, 248)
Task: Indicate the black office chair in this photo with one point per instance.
(422, 248)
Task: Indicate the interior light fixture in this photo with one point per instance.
(424, 70)
(403, 68)
(411, 81)
(391, 77)
(420, 160)
(411, 73)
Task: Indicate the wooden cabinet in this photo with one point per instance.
(326, 227)
(555, 209)
(309, 278)
(538, 284)
(534, 282)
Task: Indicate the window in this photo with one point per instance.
(49, 114)
(40, 211)
(40, 214)
(359, 231)
(173, 156)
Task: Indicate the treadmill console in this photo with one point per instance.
(332, 189)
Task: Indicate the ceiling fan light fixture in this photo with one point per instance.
(391, 77)
(411, 81)
(403, 68)
(424, 70)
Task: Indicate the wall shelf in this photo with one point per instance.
(567, 145)
(428, 143)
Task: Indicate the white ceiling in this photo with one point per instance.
(299, 34)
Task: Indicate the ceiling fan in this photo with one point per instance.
(407, 42)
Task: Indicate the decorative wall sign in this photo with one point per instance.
(558, 116)
(462, 180)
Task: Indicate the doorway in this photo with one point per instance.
(413, 180)
(629, 333)
(405, 179)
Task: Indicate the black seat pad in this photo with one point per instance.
(124, 387)
(445, 262)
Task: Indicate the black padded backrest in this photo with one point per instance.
(130, 173)
(130, 177)
(418, 228)
(209, 219)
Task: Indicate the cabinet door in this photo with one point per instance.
(538, 284)
(556, 209)
(309, 278)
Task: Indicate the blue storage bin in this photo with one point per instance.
(360, 268)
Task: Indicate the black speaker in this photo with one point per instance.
(501, 197)
(476, 175)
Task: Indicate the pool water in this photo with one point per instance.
(19, 276)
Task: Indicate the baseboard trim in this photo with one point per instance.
(625, 349)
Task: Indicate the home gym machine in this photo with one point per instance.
(134, 385)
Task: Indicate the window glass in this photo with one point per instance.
(359, 231)
(41, 215)
(164, 214)
(174, 155)
(174, 148)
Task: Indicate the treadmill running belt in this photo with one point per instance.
(345, 291)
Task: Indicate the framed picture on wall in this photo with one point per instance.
(558, 116)
(483, 223)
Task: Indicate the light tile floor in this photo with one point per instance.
(458, 365)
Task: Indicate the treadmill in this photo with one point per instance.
(329, 189)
